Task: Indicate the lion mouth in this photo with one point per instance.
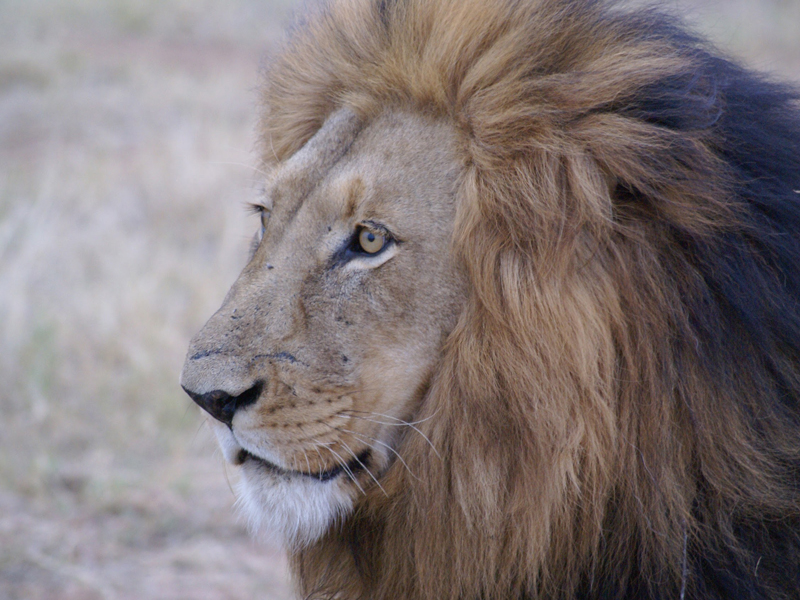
(353, 467)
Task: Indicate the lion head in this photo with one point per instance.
(327, 342)
(522, 319)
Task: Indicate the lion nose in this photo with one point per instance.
(221, 405)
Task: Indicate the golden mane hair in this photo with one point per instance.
(616, 413)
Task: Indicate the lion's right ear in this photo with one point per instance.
(658, 146)
(653, 171)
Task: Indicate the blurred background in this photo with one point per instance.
(126, 137)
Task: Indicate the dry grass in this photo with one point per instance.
(125, 139)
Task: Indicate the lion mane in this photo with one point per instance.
(615, 414)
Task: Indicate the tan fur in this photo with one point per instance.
(551, 420)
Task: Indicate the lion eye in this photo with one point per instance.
(370, 241)
(263, 213)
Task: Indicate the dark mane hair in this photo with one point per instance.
(617, 409)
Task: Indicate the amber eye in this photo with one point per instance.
(370, 241)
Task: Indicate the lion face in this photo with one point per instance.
(326, 343)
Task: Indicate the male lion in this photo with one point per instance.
(523, 316)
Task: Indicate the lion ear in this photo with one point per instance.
(651, 171)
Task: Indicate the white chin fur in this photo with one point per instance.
(292, 509)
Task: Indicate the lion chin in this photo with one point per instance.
(293, 509)
(521, 320)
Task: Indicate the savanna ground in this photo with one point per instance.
(126, 136)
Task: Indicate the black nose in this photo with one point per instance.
(221, 405)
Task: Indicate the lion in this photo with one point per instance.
(522, 318)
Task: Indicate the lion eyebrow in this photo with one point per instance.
(305, 169)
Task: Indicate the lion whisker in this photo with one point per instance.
(403, 424)
(342, 463)
(189, 406)
(228, 480)
(368, 438)
(400, 421)
(308, 464)
(316, 448)
(363, 466)
(199, 427)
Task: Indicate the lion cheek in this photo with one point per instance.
(293, 511)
